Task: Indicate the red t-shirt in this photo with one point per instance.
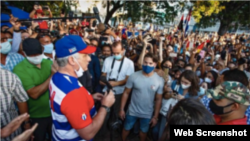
(242, 121)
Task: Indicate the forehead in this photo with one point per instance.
(148, 59)
(106, 48)
(117, 48)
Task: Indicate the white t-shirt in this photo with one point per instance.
(126, 70)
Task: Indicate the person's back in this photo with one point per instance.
(187, 111)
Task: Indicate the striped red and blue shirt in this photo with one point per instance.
(72, 107)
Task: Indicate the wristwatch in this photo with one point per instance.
(105, 107)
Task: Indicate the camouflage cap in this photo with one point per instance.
(232, 90)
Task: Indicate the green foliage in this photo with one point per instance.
(207, 13)
(138, 10)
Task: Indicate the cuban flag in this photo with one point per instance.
(187, 20)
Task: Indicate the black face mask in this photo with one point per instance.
(218, 110)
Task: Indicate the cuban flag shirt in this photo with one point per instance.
(72, 107)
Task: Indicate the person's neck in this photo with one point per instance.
(39, 66)
(185, 91)
(3, 58)
(232, 116)
(67, 71)
(149, 74)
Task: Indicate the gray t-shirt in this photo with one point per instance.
(143, 93)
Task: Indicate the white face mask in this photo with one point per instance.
(208, 80)
(5, 47)
(79, 72)
(35, 60)
(185, 86)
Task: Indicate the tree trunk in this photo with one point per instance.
(111, 12)
(223, 28)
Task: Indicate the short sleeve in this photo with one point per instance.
(75, 107)
(131, 68)
(20, 94)
(129, 83)
(26, 79)
(105, 66)
(160, 88)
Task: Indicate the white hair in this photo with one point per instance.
(62, 62)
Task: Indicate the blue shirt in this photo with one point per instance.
(178, 88)
(12, 60)
(205, 100)
(95, 71)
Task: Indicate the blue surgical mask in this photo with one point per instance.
(147, 69)
(234, 59)
(118, 57)
(9, 40)
(5, 47)
(48, 48)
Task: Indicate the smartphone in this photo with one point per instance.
(175, 93)
(198, 58)
(163, 38)
(103, 38)
(45, 8)
(202, 53)
(71, 14)
(173, 54)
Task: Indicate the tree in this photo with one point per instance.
(228, 13)
(143, 9)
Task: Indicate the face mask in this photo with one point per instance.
(79, 72)
(118, 57)
(147, 69)
(35, 60)
(5, 47)
(185, 86)
(48, 48)
(234, 59)
(208, 80)
(9, 40)
(198, 73)
(218, 110)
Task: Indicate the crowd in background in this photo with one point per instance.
(158, 78)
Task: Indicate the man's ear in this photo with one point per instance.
(71, 61)
(236, 106)
(155, 64)
(42, 48)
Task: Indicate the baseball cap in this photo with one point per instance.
(233, 90)
(72, 44)
(32, 46)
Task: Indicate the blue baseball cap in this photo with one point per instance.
(72, 44)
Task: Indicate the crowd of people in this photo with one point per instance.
(56, 78)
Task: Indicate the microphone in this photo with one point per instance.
(104, 80)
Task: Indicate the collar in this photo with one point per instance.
(28, 64)
(242, 121)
